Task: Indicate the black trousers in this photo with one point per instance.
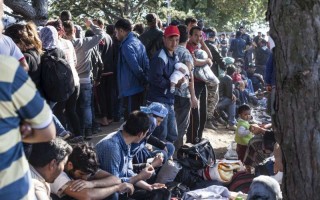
(198, 116)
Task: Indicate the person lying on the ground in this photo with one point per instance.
(82, 178)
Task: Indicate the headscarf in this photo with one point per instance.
(49, 37)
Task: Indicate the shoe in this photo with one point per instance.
(214, 122)
(65, 135)
(221, 121)
(210, 126)
(88, 134)
(231, 127)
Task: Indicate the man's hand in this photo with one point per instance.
(268, 88)
(180, 82)
(80, 184)
(146, 173)
(234, 98)
(194, 102)
(157, 161)
(88, 22)
(156, 186)
(126, 188)
(25, 130)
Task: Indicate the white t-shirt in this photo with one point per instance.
(9, 48)
(60, 184)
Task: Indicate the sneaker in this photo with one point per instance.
(210, 126)
(221, 121)
(88, 134)
(231, 127)
(65, 135)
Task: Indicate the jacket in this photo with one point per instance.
(152, 40)
(161, 68)
(133, 66)
(237, 48)
(216, 58)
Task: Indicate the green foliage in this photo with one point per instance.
(222, 14)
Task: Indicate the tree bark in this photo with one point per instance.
(37, 11)
(295, 27)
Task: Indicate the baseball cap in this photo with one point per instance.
(155, 108)
(171, 31)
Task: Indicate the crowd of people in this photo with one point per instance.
(143, 76)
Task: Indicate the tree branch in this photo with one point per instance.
(21, 7)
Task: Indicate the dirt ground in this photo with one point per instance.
(219, 139)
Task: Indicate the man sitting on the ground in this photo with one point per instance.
(82, 178)
(47, 161)
(114, 151)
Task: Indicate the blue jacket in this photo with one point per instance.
(161, 68)
(237, 48)
(133, 66)
(270, 76)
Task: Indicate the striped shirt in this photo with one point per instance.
(19, 101)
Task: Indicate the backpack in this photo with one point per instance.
(56, 79)
(196, 156)
(241, 181)
(177, 189)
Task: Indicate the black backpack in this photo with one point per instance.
(57, 82)
(196, 156)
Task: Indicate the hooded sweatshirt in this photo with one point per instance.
(84, 47)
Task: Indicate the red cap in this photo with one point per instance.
(171, 31)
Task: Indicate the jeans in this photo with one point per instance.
(84, 106)
(167, 131)
(198, 116)
(132, 103)
(60, 130)
(182, 108)
(230, 107)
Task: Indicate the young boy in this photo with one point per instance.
(244, 131)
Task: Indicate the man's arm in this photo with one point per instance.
(206, 49)
(40, 135)
(99, 193)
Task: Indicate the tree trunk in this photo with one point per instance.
(37, 12)
(295, 27)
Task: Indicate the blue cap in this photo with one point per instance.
(157, 109)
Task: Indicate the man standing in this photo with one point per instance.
(133, 65)
(213, 88)
(162, 66)
(152, 38)
(238, 46)
(19, 102)
(244, 35)
(198, 116)
(84, 48)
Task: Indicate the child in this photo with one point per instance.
(181, 71)
(244, 131)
